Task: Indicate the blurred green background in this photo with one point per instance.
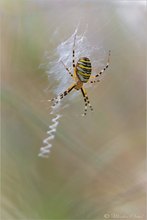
(96, 166)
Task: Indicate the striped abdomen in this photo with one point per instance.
(83, 69)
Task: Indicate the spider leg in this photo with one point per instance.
(86, 99)
(73, 53)
(62, 95)
(66, 68)
(100, 73)
(73, 59)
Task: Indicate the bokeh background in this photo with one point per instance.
(96, 167)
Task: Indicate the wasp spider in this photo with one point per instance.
(82, 74)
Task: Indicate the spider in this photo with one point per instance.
(82, 74)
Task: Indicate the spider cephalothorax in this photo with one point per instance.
(82, 74)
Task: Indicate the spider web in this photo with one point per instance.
(56, 70)
(64, 52)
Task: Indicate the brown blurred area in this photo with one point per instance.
(97, 164)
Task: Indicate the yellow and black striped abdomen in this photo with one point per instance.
(83, 69)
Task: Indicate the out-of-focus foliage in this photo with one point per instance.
(97, 163)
